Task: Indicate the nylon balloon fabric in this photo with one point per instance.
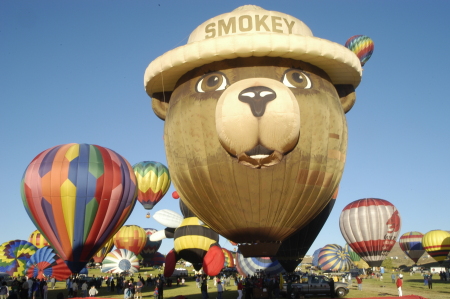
(14, 256)
(151, 247)
(153, 182)
(46, 263)
(78, 196)
(333, 257)
(371, 227)
(362, 46)
(120, 260)
(101, 254)
(411, 244)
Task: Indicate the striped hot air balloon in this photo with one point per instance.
(153, 182)
(45, 263)
(14, 256)
(131, 237)
(78, 196)
(370, 226)
(151, 247)
(362, 46)
(437, 244)
(120, 260)
(335, 258)
(229, 259)
(37, 239)
(411, 244)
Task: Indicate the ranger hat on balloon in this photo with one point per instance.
(250, 30)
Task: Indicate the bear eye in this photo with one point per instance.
(212, 82)
(296, 79)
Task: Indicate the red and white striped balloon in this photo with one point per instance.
(371, 227)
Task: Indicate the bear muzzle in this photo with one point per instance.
(258, 121)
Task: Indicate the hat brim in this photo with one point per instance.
(341, 64)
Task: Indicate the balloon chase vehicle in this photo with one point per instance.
(255, 130)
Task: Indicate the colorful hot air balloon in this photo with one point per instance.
(131, 237)
(120, 260)
(153, 182)
(315, 257)
(229, 259)
(158, 259)
(14, 256)
(45, 263)
(151, 247)
(411, 244)
(371, 227)
(362, 46)
(437, 244)
(101, 254)
(333, 257)
(248, 266)
(78, 196)
(37, 239)
(353, 255)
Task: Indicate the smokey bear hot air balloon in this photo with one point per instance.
(370, 226)
(78, 196)
(437, 244)
(263, 137)
(411, 244)
(153, 180)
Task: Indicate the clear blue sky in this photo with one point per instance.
(72, 71)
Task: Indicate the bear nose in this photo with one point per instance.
(257, 97)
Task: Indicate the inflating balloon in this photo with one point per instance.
(14, 256)
(370, 226)
(362, 46)
(101, 254)
(437, 244)
(131, 237)
(153, 182)
(120, 260)
(315, 257)
(229, 259)
(276, 81)
(78, 196)
(151, 247)
(46, 263)
(249, 266)
(37, 239)
(158, 259)
(333, 257)
(411, 244)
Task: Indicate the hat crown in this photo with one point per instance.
(249, 19)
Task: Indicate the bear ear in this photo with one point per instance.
(160, 103)
(347, 95)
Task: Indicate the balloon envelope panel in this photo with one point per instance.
(14, 256)
(78, 196)
(411, 244)
(46, 263)
(370, 226)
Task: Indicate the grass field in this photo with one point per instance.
(371, 288)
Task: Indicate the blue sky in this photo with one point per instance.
(72, 71)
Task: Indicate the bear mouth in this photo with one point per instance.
(260, 157)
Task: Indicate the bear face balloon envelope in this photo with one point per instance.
(255, 130)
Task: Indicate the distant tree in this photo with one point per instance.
(387, 263)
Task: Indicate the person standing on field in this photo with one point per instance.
(399, 284)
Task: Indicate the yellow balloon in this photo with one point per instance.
(437, 244)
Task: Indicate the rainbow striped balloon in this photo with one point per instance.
(78, 196)
(362, 46)
(46, 263)
(153, 180)
(334, 257)
(14, 256)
